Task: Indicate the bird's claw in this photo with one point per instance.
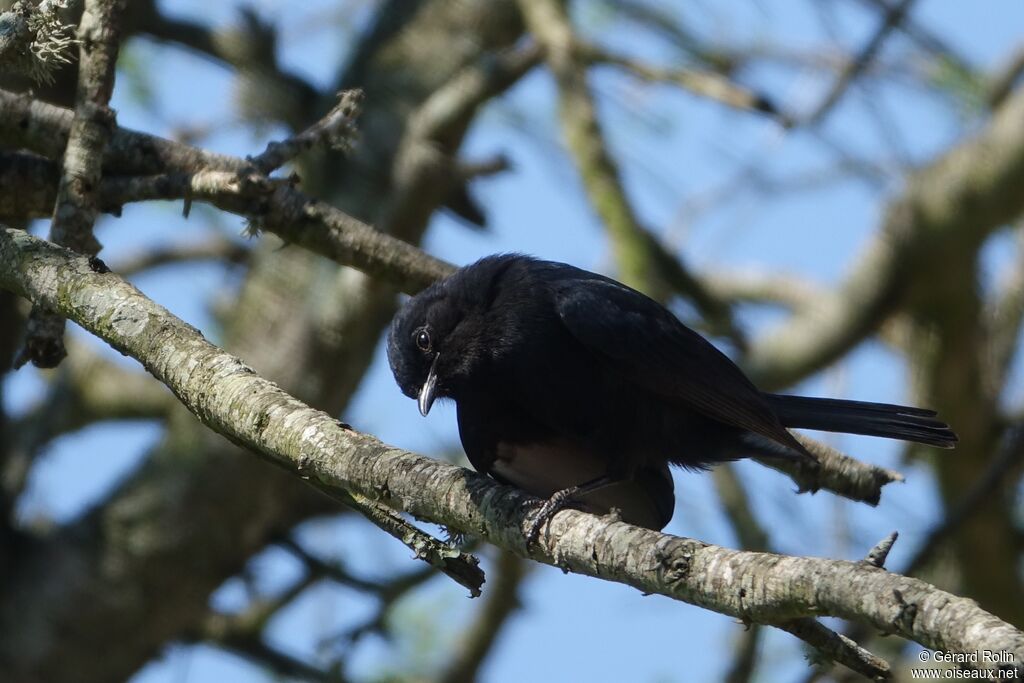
(543, 514)
(546, 510)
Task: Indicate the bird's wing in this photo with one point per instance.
(648, 345)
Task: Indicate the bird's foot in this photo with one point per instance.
(548, 509)
(560, 500)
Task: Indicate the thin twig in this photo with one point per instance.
(1010, 453)
(478, 639)
(891, 20)
(336, 130)
(708, 84)
(461, 567)
(219, 250)
(837, 647)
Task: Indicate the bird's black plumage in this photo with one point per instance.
(562, 377)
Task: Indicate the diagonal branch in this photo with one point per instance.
(894, 15)
(479, 637)
(548, 21)
(335, 130)
(230, 398)
(644, 262)
(708, 84)
(243, 634)
(948, 207)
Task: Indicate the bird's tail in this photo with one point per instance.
(860, 417)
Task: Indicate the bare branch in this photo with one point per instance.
(751, 536)
(829, 646)
(218, 249)
(44, 128)
(461, 567)
(478, 639)
(268, 90)
(1002, 83)
(1003, 320)
(335, 130)
(708, 84)
(894, 15)
(752, 286)
(984, 173)
(548, 21)
(77, 206)
(925, 39)
(835, 472)
(839, 648)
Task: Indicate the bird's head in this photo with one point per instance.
(443, 335)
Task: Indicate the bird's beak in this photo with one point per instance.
(429, 390)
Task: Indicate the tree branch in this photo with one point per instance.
(644, 262)
(548, 21)
(948, 206)
(99, 33)
(335, 130)
(477, 641)
(218, 249)
(894, 15)
(1002, 82)
(708, 84)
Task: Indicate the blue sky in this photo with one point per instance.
(673, 148)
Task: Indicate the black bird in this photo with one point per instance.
(577, 388)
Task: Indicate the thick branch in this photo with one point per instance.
(77, 204)
(91, 127)
(44, 128)
(230, 398)
(948, 207)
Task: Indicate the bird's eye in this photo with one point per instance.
(422, 338)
